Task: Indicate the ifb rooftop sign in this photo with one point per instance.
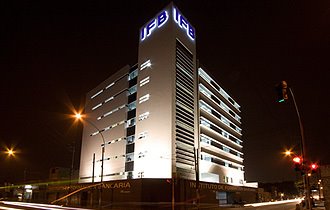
(162, 18)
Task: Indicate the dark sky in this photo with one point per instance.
(52, 53)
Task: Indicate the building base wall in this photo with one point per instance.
(152, 194)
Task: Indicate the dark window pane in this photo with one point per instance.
(215, 99)
(130, 148)
(131, 114)
(132, 98)
(129, 166)
(130, 131)
(132, 82)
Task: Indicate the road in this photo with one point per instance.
(280, 205)
(7, 205)
(284, 206)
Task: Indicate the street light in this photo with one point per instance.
(79, 116)
(288, 152)
(10, 152)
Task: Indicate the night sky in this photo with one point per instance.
(52, 53)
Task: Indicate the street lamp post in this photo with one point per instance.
(80, 117)
(303, 151)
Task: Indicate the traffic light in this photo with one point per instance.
(297, 160)
(281, 90)
(298, 163)
(313, 167)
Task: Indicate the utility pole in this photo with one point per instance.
(303, 153)
(282, 91)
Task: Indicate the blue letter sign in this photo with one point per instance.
(183, 23)
(162, 18)
(156, 22)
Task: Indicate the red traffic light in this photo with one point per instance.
(314, 166)
(297, 160)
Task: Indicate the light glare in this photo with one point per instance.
(288, 153)
(10, 152)
(78, 116)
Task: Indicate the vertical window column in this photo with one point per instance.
(130, 125)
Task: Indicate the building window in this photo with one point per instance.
(144, 98)
(131, 114)
(130, 122)
(225, 134)
(205, 140)
(95, 133)
(226, 149)
(96, 94)
(129, 166)
(131, 106)
(132, 90)
(205, 123)
(143, 135)
(206, 158)
(109, 99)
(132, 98)
(143, 116)
(112, 111)
(203, 90)
(132, 75)
(130, 131)
(97, 106)
(130, 139)
(145, 65)
(129, 157)
(144, 81)
(130, 148)
(107, 87)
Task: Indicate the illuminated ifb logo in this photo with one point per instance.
(158, 22)
(184, 24)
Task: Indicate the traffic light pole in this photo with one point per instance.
(303, 154)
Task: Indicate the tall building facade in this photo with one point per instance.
(164, 117)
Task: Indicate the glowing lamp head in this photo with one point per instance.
(288, 153)
(10, 152)
(78, 116)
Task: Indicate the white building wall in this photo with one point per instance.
(159, 145)
(221, 134)
(93, 144)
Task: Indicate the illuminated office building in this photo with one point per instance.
(164, 117)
